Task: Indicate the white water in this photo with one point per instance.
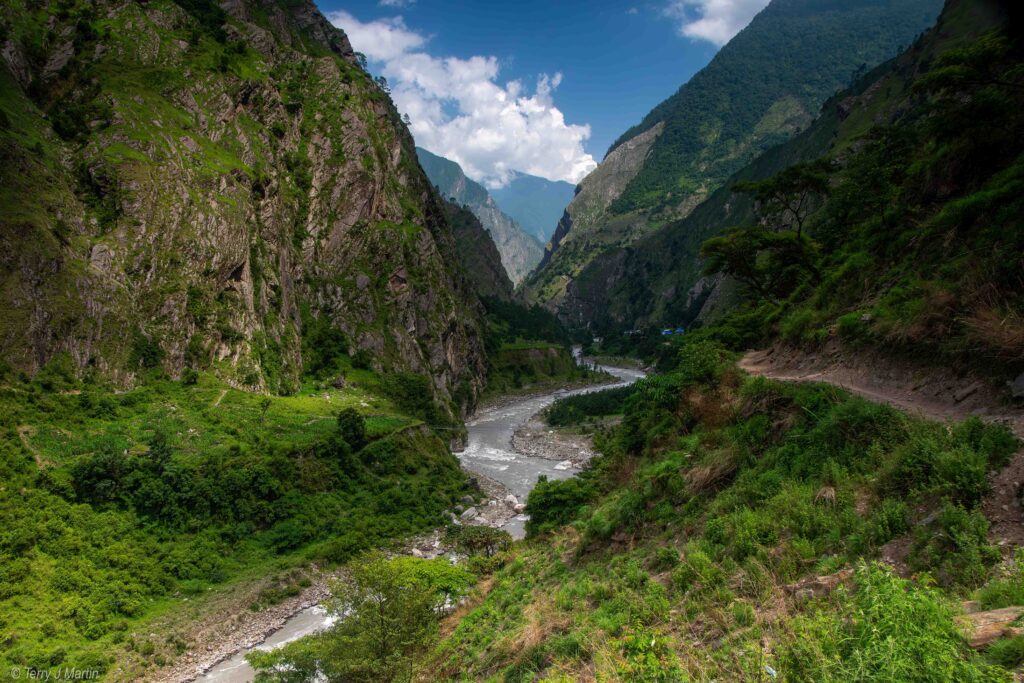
(236, 670)
(488, 451)
(489, 445)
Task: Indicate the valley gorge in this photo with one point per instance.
(287, 395)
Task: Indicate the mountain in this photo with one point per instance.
(661, 280)
(519, 251)
(186, 186)
(763, 87)
(479, 257)
(535, 203)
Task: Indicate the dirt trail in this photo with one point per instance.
(25, 433)
(936, 393)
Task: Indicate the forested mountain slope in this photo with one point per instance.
(186, 186)
(520, 252)
(478, 255)
(911, 233)
(763, 87)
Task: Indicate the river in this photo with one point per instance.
(488, 451)
(489, 444)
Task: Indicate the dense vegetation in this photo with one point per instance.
(911, 241)
(761, 88)
(918, 240)
(575, 409)
(714, 493)
(128, 503)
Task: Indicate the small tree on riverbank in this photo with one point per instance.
(387, 613)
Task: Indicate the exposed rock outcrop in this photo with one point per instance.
(202, 200)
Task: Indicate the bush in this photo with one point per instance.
(1005, 590)
(955, 547)
(888, 629)
(352, 427)
(552, 504)
(413, 394)
(146, 352)
(701, 361)
(474, 539)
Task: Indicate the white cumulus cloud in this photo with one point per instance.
(396, 3)
(716, 21)
(461, 110)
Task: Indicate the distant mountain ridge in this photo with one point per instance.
(535, 203)
(520, 252)
(761, 89)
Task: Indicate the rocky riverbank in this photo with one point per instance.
(538, 440)
(232, 627)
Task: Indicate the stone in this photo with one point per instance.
(966, 392)
(818, 586)
(470, 513)
(1017, 386)
(985, 627)
(511, 500)
(467, 500)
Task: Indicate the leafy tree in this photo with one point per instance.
(389, 610)
(352, 427)
(786, 199)
(770, 264)
(476, 539)
(552, 504)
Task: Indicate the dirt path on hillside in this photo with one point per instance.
(25, 433)
(935, 393)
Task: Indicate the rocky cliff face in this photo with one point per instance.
(480, 259)
(195, 188)
(582, 232)
(760, 90)
(519, 251)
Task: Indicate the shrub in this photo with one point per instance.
(474, 539)
(955, 547)
(888, 629)
(146, 352)
(352, 427)
(1007, 653)
(1007, 589)
(701, 361)
(552, 504)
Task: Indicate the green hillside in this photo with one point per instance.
(907, 165)
(764, 87)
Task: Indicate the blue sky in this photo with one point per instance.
(539, 87)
